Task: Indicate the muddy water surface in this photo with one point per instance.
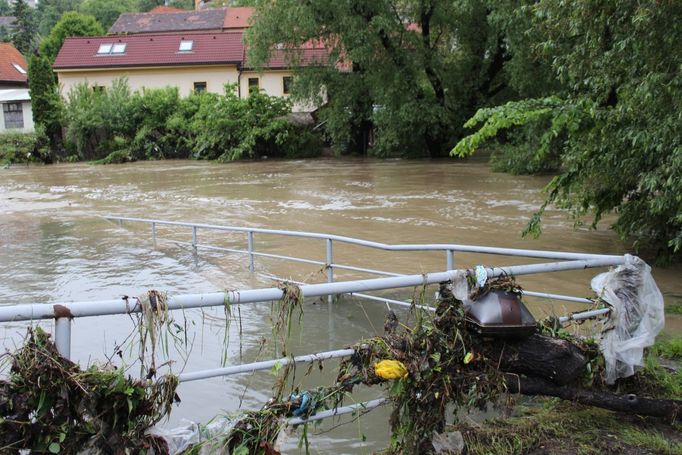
(54, 246)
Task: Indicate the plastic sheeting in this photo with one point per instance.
(207, 439)
(635, 319)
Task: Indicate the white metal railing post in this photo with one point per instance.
(250, 249)
(194, 238)
(62, 336)
(330, 267)
(450, 259)
(154, 232)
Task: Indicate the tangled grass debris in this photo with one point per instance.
(48, 404)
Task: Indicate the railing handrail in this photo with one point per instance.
(27, 312)
(543, 254)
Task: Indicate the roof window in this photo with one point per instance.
(186, 46)
(111, 48)
(104, 48)
(118, 48)
(19, 68)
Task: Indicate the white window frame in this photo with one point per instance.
(105, 48)
(119, 48)
(186, 46)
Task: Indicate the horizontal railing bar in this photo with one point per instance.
(358, 407)
(391, 301)
(27, 312)
(263, 365)
(290, 258)
(254, 253)
(568, 298)
(360, 269)
(206, 247)
(379, 245)
(584, 315)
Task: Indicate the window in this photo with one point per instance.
(104, 48)
(199, 87)
(111, 49)
(286, 84)
(14, 115)
(186, 46)
(254, 84)
(19, 68)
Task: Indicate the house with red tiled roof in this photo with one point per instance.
(14, 99)
(190, 61)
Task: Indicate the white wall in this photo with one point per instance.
(182, 77)
(271, 82)
(28, 119)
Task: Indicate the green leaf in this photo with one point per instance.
(54, 448)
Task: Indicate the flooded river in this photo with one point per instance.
(55, 246)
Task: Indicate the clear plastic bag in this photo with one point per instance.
(192, 434)
(636, 316)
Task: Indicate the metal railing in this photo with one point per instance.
(63, 313)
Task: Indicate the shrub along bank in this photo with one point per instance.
(117, 125)
(24, 148)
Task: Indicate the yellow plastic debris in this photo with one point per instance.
(390, 369)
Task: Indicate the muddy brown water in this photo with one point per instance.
(54, 247)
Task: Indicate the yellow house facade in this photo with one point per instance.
(192, 62)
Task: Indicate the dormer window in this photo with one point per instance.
(19, 68)
(104, 49)
(186, 46)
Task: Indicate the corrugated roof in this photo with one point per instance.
(10, 59)
(210, 19)
(238, 17)
(151, 50)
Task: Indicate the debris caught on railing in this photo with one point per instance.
(48, 404)
(636, 316)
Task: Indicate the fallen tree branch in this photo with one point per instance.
(629, 403)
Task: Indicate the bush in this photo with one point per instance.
(115, 125)
(24, 148)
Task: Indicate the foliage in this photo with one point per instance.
(115, 125)
(669, 348)
(146, 5)
(23, 28)
(50, 405)
(45, 100)
(228, 128)
(70, 24)
(93, 118)
(24, 148)
(400, 76)
(106, 11)
(616, 123)
(561, 427)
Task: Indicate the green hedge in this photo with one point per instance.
(117, 125)
(24, 148)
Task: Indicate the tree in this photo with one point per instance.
(24, 31)
(106, 11)
(45, 100)
(415, 69)
(48, 13)
(616, 123)
(5, 8)
(71, 24)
